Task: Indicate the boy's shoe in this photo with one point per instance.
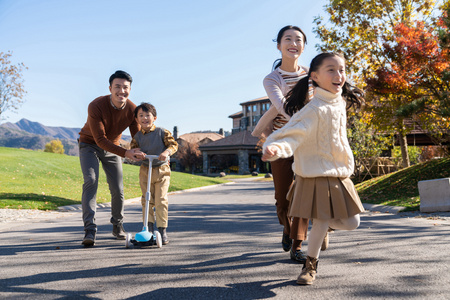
(298, 255)
(165, 239)
(119, 232)
(308, 274)
(89, 238)
(286, 242)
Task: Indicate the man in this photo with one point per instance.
(108, 117)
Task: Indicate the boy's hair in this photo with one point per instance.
(146, 107)
(298, 96)
(277, 62)
(120, 74)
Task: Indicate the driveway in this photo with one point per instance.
(225, 243)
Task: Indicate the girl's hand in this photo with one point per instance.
(164, 155)
(269, 152)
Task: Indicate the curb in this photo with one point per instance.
(383, 208)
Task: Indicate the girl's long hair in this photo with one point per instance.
(277, 62)
(297, 98)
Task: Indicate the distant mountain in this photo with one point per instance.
(16, 138)
(38, 128)
(33, 135)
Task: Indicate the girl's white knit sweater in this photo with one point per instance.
(317, 137)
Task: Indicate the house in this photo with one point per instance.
(193, 138)
(199, 138)
(238, 152)
(251, 112)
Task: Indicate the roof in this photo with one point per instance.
(242, 139)
(236, 115)
(260, 99)
(196, 137)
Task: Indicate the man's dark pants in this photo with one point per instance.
(90, 157)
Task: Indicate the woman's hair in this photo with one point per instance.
(277, 62)
(298, 96)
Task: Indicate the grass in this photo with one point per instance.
(40, 180)
(401, 188)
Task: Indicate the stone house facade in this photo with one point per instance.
(238, 152)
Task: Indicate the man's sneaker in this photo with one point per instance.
(119, 232)
(298, 256)
(89, 238)
(165, 239)
(286, 242)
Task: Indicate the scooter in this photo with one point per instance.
(145, 238)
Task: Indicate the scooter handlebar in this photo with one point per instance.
(152, 157)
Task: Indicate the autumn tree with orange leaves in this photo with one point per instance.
(412, 83)
(11, 83)
(360, 29)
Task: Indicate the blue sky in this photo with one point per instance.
(194, 60)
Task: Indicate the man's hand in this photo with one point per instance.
(269, 152)
(135, 154)
(164, 155)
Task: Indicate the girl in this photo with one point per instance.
(286, 73)
(316, 136)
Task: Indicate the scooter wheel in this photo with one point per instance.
(158, 239)
(128, 242)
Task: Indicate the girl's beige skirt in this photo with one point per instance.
(324, 198)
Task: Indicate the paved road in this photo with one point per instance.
(224, 244)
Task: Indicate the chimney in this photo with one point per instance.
(175, 132)
(221, 132)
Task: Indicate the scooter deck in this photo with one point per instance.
(151, 242)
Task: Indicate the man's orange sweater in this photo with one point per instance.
(105, 124)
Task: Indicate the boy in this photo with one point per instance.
(154, 140)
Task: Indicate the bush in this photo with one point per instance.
(54, 146)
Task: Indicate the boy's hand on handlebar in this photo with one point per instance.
(164, 155)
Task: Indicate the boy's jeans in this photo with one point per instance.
(90, 157)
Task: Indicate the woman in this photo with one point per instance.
(286, 73)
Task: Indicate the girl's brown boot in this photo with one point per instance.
(308, 274)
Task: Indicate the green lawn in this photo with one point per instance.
(40, 180)
(401, 188)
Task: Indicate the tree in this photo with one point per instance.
(189, 155)
(11, 83)
(55, 146)
(358, 29)
(365, 142)
(411, 84)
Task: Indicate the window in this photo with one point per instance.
(255, 120)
